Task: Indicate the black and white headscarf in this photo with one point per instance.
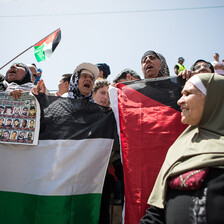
(74, 89)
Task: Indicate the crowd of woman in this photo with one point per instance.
(189, 187)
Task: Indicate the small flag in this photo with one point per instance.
(44, 48)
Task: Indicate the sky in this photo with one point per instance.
(115, 32)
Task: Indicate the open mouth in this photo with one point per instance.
(148, 67)
(87, 85)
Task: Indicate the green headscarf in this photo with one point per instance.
(197, 147)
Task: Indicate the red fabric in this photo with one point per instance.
(50, 38)
(190, 180)
(147, 129)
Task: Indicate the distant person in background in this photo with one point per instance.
(179, 67)
(36, 73)
(127, 75)
(154, 65)
(104, 70)
(100, 92)
(33, 69)
(218, 65)
(63, 86)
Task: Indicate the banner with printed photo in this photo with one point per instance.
(19, 119)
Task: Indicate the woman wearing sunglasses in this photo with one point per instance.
(200, 66)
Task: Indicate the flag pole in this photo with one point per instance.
(16, 57)
(27, 49)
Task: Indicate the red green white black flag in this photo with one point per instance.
(44, 48)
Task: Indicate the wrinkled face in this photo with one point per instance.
(86, 83)
(202, 67)
(101, 96)
(151, 66)
(15, 72)
(191, 104)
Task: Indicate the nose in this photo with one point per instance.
(147, 59)
(180, 101)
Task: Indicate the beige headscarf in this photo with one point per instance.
(196, 147)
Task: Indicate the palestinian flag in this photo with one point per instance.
(60, 180)
(44, 48)
(149, 122)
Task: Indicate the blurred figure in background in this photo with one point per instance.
(63, 86)
(127, 75)
(218, 65)
(179, 67)
(104, 70)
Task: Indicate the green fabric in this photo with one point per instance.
(35, 209)
(39, 53)
(196, 147)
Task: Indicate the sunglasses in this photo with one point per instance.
(205, 65)
(35, 76)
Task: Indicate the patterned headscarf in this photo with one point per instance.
(164, 70)
(74, 89)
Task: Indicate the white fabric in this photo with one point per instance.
(55, 167)
(195, 80)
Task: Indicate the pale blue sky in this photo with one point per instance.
(115, 32)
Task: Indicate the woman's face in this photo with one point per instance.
(202, 67)
(191, 104)
(101, 96)
(85, 83)
(15, 72)
(151, 66)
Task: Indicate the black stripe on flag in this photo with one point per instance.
(67, 118)
(56, 41)
(156, 89)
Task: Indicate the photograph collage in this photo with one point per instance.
(17, 121)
